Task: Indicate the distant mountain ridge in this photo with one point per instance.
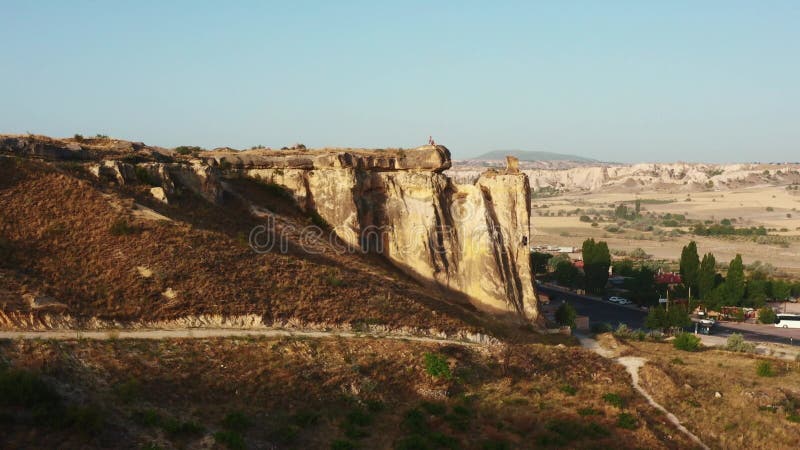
(529, 155)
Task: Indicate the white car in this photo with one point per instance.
(615, 299)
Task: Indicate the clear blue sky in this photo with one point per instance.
(612, 80)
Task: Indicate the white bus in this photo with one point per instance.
(788, 321)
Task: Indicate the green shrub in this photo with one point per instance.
(230, 439)
(333, 279)
(495, 444)
(686, 342)
(767, 315)
(614, 399)
(127, 391)
(341, 444)
(120, 227)
(414, 422)
(764, 369)
(187, 149)
(305, 419)
(177, 428)
(599, 328)
(236, 421)
(565, 431)
(565, 315)
(354, 423)
(86, 419)
(22, 388)
(434, 408)
(623, 331)
(143, 176)
(413, 442)
(627, 421)
(736, 343)
(436, 366)
(568, 389)
(147, 418)
(589, 412)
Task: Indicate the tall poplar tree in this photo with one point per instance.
(690, 265)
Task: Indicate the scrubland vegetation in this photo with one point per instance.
(319, 393)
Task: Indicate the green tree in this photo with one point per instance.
(656, 319)
(757, 291)
(596, 261)
(566, 274)
(781, 290)
(734, 282)
(678, 317)
(539, 261)
(565, 315)
(706, 277)
(552, 263)
(690, 265)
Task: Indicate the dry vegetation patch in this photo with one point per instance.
(318, 393)
(720, 396)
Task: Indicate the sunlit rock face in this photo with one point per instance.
(471, 239)
(466, 239)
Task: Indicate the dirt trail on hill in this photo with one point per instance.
(202, 333)
(632, 364)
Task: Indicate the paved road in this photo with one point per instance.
(600, 311)
(762, 333)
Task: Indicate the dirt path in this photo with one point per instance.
(201, 333)
(632, 364)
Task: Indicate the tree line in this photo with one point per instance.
(701, 278)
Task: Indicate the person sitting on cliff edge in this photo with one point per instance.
(430, 141)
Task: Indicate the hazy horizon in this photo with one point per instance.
(612, 81)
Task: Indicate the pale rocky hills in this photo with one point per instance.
(677, 177)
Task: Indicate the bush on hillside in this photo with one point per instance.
(736, 343)
(687, 342)
(764, 369)
(436, 366)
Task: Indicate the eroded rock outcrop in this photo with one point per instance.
(467, 239)
(471, 239)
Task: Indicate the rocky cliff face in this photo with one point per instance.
(470, 239)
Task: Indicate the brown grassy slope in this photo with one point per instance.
(752, 412)
(307, 393)
(57, 221)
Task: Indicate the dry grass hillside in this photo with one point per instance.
(319, 393)
(115, 253)
(722, 396)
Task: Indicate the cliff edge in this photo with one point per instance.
(469, 239)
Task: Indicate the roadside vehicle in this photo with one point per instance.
(615, 299)
(787, 321)
(625, 301)
(705, 326)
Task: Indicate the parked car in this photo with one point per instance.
(620, 300)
